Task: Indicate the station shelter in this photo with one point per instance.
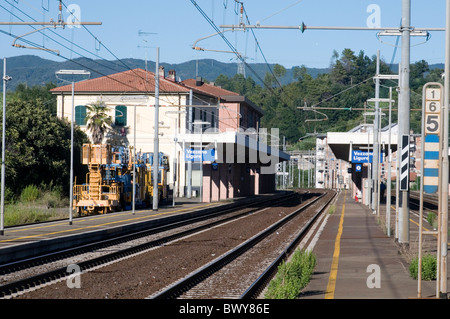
(356, 148)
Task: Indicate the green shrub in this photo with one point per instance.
(432, 219)
(36, 204)
(29, 194)
(9, 196)
(292, 276)
(332, 209)
(429, 264)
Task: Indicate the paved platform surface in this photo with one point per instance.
(357, 260)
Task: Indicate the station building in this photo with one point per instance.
(194, 118)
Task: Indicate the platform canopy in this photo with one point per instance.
(360, 138)
(246, 148)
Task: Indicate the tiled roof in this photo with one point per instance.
(136, 80)
(208, 88)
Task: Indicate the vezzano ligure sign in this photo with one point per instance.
(194, 155)
(364, 157)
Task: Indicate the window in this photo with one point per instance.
(80, 115)
(213, 119)
(121, 115)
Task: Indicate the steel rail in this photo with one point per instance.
(33, 281)
(177, 288)
(258, 285)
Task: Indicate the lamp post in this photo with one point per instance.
(71, 72)
(5, 80)
(155, 167)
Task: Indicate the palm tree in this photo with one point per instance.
(98, 121)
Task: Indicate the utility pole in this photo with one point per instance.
(445, 163)
(404, 118)
(155, 167)
(2, 217)
(376, 155)
(189, 163)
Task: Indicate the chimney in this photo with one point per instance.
(162, 73)
(199, 81)
(172, 76)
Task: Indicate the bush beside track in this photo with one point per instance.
(292, 276)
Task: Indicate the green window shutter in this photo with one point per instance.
(121, 115)
(80, 115)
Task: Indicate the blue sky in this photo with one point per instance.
(174, 25)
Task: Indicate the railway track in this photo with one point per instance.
(244, 271)
(25, 276)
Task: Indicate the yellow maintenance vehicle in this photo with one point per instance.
(109, 182)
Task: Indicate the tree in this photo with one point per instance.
(279, 70)
(38, 146)
(98, 121)
(25, 93)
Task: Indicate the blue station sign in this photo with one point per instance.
(196, 155)
(364, 157)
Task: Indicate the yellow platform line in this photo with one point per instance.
(100, 225)
(337, 249)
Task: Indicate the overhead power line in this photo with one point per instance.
(233, 49)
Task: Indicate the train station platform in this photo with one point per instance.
(36, 239)
(357, 260)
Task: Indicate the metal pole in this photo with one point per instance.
(201, 163)
(392, 30)
(388, 180)
(368, 196)
(71, 154)
(376, 156)
(134, 163)
(155, 167)
(397, 168)
(189, 172)
(175, 162)
(419, 257)
(404, 117)
(445, 163)
(2, 217)
(284, 164)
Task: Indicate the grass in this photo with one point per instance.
(432, 219)
(429, 264)
(332, 209)
(292, 276)
(36, 205)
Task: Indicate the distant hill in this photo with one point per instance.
(34, 70)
